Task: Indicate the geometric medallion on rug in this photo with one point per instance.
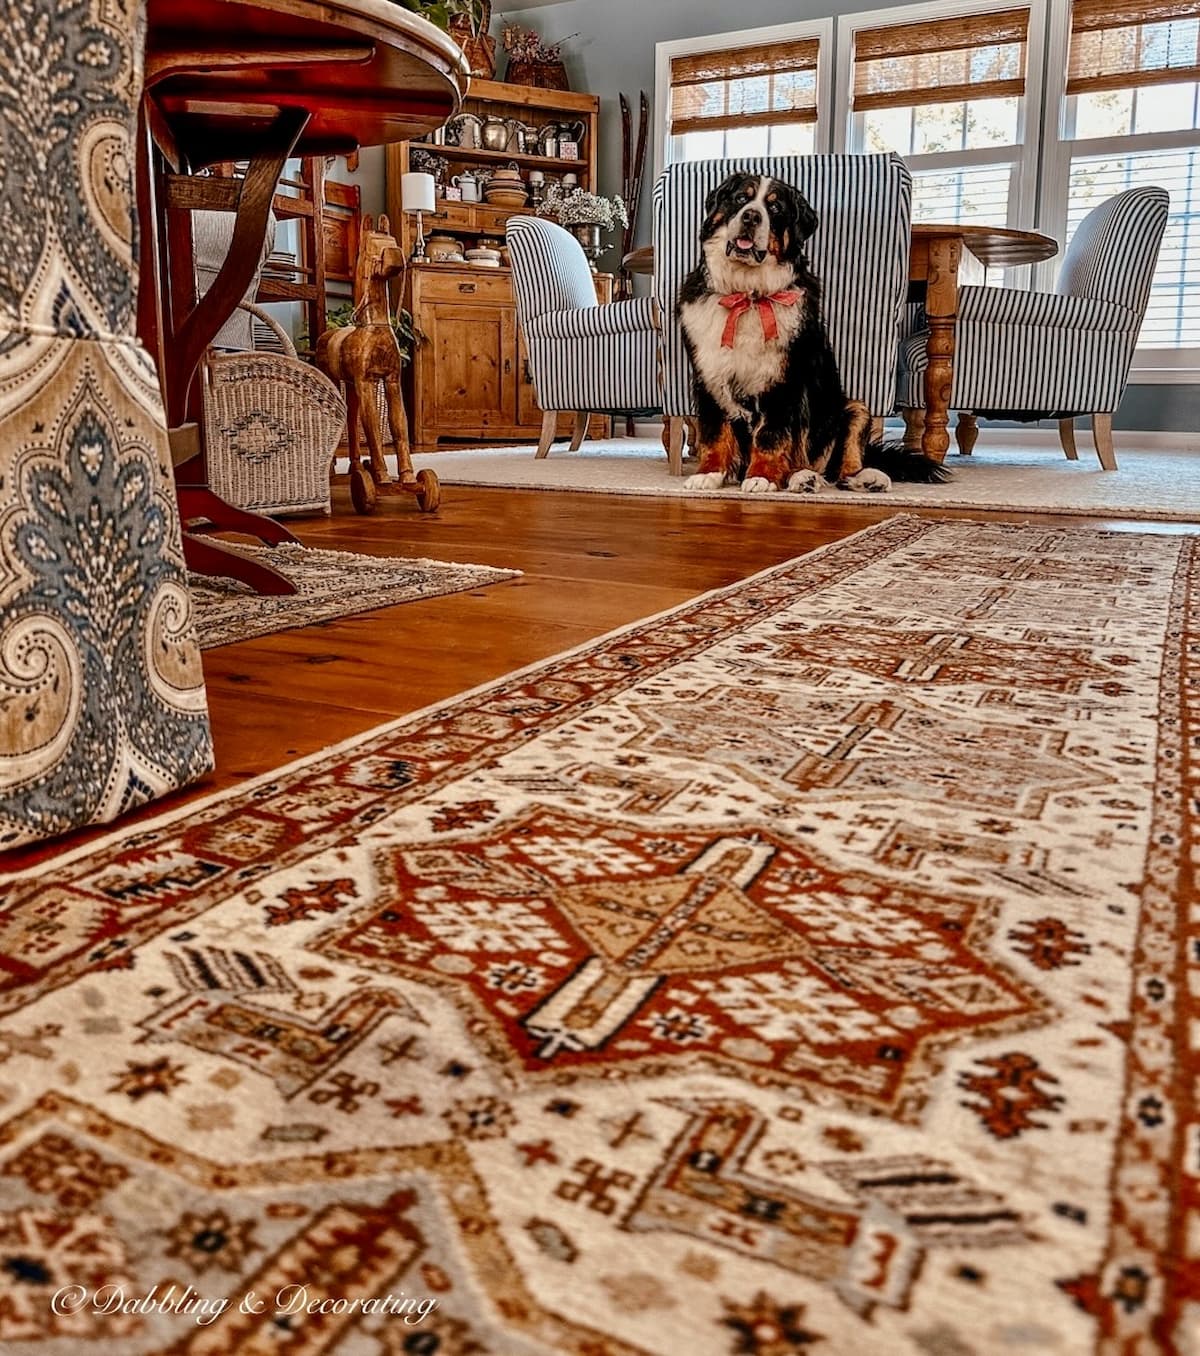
(805, 968)
(329, 584)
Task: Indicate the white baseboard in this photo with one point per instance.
(1150, 440)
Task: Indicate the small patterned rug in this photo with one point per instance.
(331, 584)
(1162, 484)
(805, 968)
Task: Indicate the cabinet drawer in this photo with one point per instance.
(463, 288)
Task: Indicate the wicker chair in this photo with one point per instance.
(273, 424)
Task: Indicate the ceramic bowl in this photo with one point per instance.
(506, 197)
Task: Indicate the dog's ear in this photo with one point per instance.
(716, 205)
(807, 220)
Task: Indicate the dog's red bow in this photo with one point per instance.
(738, 303)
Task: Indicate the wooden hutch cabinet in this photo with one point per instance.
(470, 380)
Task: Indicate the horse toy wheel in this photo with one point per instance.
(363, 494)
(429, 496)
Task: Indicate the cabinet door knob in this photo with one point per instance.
(466, 287)
(507, 366)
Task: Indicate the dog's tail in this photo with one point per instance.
(902, 464)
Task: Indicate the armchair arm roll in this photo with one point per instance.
(1045, 310)
(620, 317)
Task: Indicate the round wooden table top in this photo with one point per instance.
(368, 72)
(993, 246)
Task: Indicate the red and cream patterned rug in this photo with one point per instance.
(805, 968)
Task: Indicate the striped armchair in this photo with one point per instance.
(583, 357)
(1062, 354)
(859, 251)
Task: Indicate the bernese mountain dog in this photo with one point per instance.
(770, 405)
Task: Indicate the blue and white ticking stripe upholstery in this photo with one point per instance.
(583, 356)
(859, 251)
(1058, 353)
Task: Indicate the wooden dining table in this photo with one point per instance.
(257, 81)
(941, 258)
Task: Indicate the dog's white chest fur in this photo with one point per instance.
(753, 364)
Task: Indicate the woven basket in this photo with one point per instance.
(538, 74)
(272, 426)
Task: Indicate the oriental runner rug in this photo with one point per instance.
(329, 585)
(803, 969)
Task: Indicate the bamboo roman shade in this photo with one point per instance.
(1121, 44)
(768, 85)
(939, 61)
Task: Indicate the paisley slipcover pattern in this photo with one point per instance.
(102, 703)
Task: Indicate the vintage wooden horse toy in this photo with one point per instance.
(360, 356)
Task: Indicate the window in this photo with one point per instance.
(957, 88)
(1131, 115)
(948, 92)
(744, 94)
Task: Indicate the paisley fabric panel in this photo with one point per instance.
(102, 702)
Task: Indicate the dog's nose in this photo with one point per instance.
(751, 218)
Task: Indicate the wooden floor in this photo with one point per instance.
(591, 563)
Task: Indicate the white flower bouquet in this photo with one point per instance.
(576, 207)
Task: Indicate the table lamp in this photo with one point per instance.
(417, 195)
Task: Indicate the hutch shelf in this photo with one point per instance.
(470, 378)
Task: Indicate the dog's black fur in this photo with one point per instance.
(802, 419)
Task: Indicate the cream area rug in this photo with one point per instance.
(804, 969)
(1159, 485)
(330, 584)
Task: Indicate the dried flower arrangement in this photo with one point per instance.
(531, 61)
(575, 207)
(524, 46)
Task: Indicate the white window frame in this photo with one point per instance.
(821, 29)
(1151, 366)
(1024, 152)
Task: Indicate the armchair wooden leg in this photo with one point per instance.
(914, 427)
(1102, 437)
(675, 427)
(877, 430)
(580, 430)
(1066, 436)
(966, 431)
(549, 429)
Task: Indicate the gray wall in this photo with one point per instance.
(609, 47)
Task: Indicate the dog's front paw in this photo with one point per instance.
(706, 480)
(868, 481)
(758, 485)
(806, 482)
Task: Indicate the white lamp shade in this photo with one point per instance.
(417, 192)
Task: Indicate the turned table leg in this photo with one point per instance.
(941, 309)
(966, 432)
(914, 428)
